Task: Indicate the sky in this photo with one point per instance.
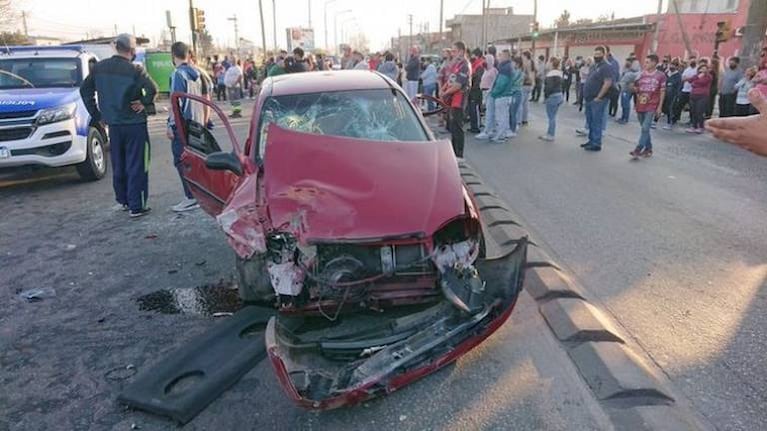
(380, 20)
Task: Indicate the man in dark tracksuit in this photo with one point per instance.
(125, 91)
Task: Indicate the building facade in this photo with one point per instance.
(695, 26)
(500, 23)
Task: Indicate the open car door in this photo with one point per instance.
(212, 161)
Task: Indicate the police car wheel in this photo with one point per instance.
(95, 165)
(253, 280)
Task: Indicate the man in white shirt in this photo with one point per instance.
(684, 96)
(233, 81)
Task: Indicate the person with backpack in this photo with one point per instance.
(185, 79)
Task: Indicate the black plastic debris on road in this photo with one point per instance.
(207, 300)
(185, 382)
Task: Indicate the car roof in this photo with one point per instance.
(326, 81)
(58, 53)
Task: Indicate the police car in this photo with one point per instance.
(43, 121)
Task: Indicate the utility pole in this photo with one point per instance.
(399, 42)
(410, 21)
(115, 30)
(753, 34)
(535, 26)
(236, 34)
(484, 27)
(169, 23)
(263, 29)
(24, 22)
(657, 28)
(274, 24)
(310, 12)
(192, 27)
(681, 28)
(441, 8)
(328, 2)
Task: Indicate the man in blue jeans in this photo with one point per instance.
(595, 89)
(651, 90)
(186, 79)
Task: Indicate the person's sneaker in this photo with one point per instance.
(587, 144)
(621, 121)
(483, 135)
(185, 205)
(498, 139)
(700, 131)
(546, 138)
(635, 153)
(581, 132)
(668, 127)
(593, 148)
(508, 135)
(524, 123)
(139, 213)
(654, 125)
(474, 131)
(120, 207)
(690, 130)
(646, 153)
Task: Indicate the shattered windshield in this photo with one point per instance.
(378, 115)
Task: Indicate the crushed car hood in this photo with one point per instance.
(330, 188)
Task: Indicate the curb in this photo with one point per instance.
(633, 394)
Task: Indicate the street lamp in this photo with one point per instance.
(335, 27)
(350, 20)
(327, 3)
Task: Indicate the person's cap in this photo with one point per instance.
(125, 42)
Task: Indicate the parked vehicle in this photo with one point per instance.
(352, 219)
(42, 119)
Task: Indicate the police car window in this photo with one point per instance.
(378, 115)
(39, 72)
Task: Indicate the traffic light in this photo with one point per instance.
(724, 31)
(199, 20)
(534, 28)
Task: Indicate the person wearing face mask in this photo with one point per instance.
(699, 97)
(684, 95)
(125, 95)
(728, 93)
(673, 88)
(595, 90)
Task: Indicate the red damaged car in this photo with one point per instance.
(349, 217)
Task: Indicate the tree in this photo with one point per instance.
(563, 20)
(13, 38)
(584, 21)
(7, 13)
(205, 41)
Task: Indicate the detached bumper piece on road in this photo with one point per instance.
(185, 382)
(324, 365)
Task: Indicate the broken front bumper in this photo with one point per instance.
(429, 348)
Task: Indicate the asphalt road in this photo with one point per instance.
(675, 247)
(64, 359)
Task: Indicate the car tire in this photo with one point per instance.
(253, 280)
(95, 165)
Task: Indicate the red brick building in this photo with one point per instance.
(698, 18)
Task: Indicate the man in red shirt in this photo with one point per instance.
(650, 90)
(454, 94)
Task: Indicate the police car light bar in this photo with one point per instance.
(11, 49)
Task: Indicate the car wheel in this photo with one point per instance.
(254, 283)
(95, 165)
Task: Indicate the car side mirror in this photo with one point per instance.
(223, 161)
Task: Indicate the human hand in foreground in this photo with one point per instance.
(746, 132)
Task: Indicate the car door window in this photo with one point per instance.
(205, 132)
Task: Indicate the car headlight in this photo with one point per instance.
(59, 113)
